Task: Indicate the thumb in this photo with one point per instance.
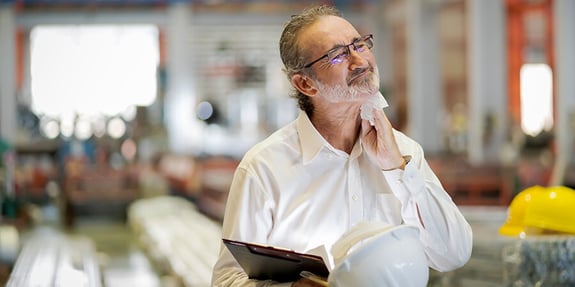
(365, 127)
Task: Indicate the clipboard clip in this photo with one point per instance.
(272, 252)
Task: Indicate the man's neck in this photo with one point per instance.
(340, 129)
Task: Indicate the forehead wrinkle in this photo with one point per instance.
(323, 29)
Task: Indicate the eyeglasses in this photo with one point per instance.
(341, 54)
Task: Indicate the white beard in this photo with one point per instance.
(364, 88)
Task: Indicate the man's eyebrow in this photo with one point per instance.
(337, 46)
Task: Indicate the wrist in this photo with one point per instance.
(404, 162)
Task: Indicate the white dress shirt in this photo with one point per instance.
(294, 190)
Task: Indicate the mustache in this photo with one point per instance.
(357, 72)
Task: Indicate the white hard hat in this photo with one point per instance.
(377, 254)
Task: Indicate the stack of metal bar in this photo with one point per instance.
(49, 258)
(180, 240)
(540, 261)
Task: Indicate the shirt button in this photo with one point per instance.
(354, 197)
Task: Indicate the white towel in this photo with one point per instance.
(377, 101)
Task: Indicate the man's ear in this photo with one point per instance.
(304, 84)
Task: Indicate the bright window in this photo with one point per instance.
(89, 72)
(536, 98)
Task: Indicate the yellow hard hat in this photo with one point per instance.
(515, 225)
(553, 210)
(540, 210)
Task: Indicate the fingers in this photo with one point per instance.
(381, 121)
(384, 130)
(304, 282)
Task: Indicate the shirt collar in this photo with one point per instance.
(310, 139)
(312, 142)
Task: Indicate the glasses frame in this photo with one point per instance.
(365, 38)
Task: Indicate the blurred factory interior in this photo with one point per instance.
(121, 123)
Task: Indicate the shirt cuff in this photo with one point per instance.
(397, 173)
(408, 186)
(405, 183)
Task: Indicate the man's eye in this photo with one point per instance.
(338, 58)
(360, 47)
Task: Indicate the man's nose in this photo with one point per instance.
(356, 60)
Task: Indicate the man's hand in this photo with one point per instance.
(379, 142)
(303, 282)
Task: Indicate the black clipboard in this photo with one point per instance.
(270, 263)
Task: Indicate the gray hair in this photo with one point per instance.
(292, 58)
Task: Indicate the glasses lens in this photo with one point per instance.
(338, 55)
(363, 44)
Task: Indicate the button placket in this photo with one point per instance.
(354, 193)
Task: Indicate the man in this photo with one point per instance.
(314, 179)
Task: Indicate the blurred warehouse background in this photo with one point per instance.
(122, 121)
